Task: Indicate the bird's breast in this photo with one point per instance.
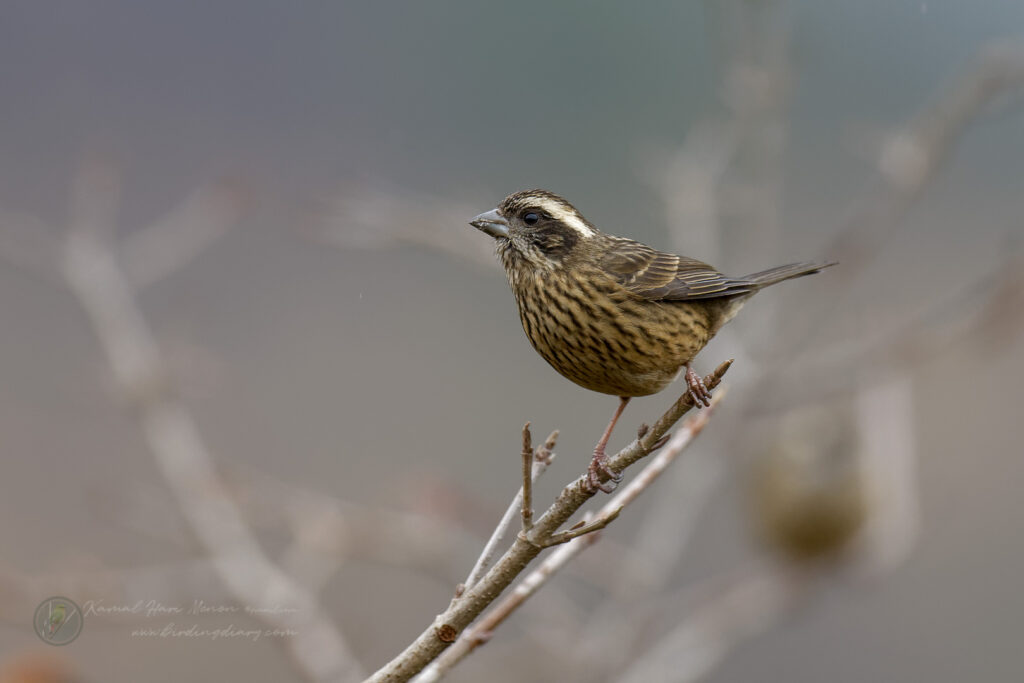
(604, 338)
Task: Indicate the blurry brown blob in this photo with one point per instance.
(808, 503)
(36, 668)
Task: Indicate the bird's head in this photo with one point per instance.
(535, 229)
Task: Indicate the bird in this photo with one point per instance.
(57, 616)
(609, 313)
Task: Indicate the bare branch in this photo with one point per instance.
(909, 160)
(481, 632)
(581, 529)
(688, 185)
(687, 652)
(543, 453)
(94, 276)
(885, 413)
(347, 530)
(987, 309)
(470, 604)
(646, 567)
(583, 538)
(153, 253)
(670, 521)
(913, 155)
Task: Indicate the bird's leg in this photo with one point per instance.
(700, 394)
(599, 463)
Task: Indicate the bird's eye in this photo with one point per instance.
(531, 218)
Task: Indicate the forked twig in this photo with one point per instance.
(543, 457)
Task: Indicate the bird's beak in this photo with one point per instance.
(491, 222)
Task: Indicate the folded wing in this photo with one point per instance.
(659, 276)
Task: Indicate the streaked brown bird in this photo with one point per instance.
(609, 313)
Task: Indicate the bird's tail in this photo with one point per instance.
(780, 273)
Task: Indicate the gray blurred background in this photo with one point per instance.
(348, 342)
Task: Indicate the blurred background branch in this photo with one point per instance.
(93, 273)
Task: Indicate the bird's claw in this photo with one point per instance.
(599, 466)
(700, 394)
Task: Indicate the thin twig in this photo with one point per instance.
(481, 632)
(543, 453)
(527, 507)
(582, 529)
(543, 458)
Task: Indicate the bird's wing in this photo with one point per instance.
(659, 276)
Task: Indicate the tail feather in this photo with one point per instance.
(789, 271)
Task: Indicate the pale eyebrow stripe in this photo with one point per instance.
(569, 218)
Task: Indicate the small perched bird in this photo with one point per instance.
(609, 313)
(57, 617)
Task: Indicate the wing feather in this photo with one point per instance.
(660, 276)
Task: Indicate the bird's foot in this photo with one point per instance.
(700, 394)
(598, 466)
